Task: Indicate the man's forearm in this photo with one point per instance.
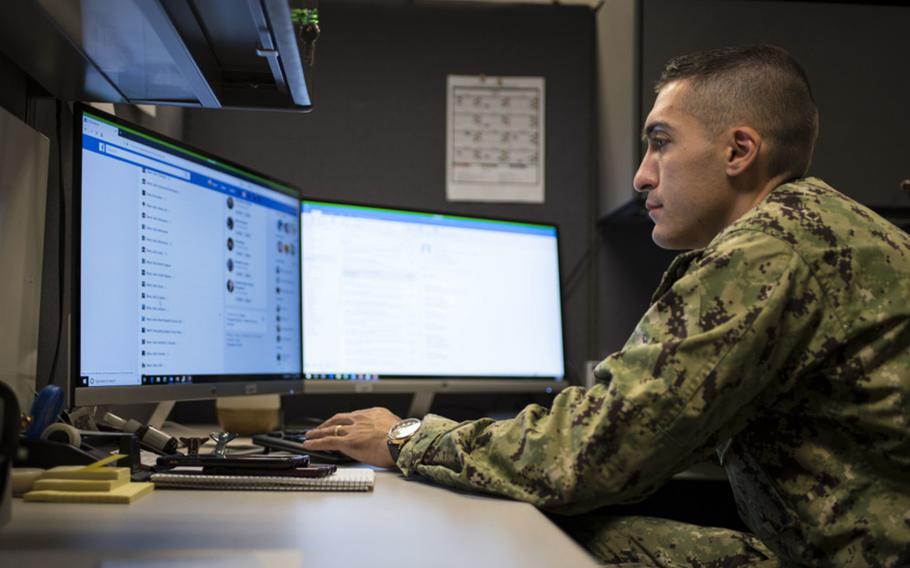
(560, 459)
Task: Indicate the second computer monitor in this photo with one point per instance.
(396, 294)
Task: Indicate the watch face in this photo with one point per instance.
(405, 428)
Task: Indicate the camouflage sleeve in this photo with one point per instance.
(703, 353)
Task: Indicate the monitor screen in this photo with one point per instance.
(188, 271)
(392, 293)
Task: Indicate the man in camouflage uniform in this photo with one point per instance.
(781, 342)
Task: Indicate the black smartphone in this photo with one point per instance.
(276, 441)
(321, 470)
(245, 463)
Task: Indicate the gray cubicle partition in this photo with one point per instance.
(23, 194)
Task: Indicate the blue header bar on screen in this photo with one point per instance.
(116, 152)
(415, 217)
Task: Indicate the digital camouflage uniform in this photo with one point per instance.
(784, 346)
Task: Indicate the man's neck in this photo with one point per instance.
(753, 197)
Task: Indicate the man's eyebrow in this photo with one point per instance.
(647, 130)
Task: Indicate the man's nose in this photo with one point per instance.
(646, 177)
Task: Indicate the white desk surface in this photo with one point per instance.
(401, 523)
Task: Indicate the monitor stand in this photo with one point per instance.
(160, 414)
(420, 404)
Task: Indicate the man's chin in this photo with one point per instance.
(667, 242)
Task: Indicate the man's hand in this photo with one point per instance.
(361, 434)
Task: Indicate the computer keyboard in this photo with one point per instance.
(292, 441)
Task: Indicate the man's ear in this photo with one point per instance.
(742, 152)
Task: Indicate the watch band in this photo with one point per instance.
(395, 449)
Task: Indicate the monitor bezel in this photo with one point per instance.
(233, 385)
(440, 383)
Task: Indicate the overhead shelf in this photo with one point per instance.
(201, 53)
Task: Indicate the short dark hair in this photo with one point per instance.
(762, 85)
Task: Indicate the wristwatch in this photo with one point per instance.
(400, 433)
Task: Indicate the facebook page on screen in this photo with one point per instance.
(189, 267)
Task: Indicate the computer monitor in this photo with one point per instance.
(186, 272)
(414, 301)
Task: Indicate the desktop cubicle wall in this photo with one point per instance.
(23, 194)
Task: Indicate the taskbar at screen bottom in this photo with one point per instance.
(206, 379)
(385, 377)
(184, 378)
(201, 387)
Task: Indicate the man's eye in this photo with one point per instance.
(659, 143)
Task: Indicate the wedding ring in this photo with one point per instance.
(337, 428)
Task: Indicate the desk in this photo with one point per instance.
(401, 523)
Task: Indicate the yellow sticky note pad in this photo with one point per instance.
(126, 493)
(78, 484)
(81, 472)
